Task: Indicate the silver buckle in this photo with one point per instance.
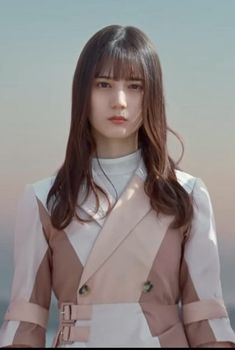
(63, 313)
(65, 335)
(65, 324)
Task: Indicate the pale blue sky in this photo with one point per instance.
(40, 42)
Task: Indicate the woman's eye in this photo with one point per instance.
(136, 87)
(102, 84)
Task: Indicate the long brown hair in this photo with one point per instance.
(126, 51)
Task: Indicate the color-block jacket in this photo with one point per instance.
(125, 280)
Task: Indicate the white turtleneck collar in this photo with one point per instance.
(119, 170)
(117, 166)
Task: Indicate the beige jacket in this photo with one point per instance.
(127, 280)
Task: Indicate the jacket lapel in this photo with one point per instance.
(129, 210)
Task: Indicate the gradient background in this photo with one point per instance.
(40, 42)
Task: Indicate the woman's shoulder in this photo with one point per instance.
(186, 180)
(42, 187)
(196, 187)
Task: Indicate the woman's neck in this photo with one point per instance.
(115, 148)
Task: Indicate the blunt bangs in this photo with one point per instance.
(120, 63)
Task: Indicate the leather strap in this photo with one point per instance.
(203, 310)
(27, 312)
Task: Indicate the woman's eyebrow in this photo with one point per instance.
(103, 77)
(110, 78)
(135, 79)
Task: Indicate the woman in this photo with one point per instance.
(124, 238)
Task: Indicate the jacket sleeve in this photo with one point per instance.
(26, 318)
(204, 313)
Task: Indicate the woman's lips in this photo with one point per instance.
(117, 119)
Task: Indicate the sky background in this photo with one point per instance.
(40, 42)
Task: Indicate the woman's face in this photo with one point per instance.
(116, 98)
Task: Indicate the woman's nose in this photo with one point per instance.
(119, 99)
